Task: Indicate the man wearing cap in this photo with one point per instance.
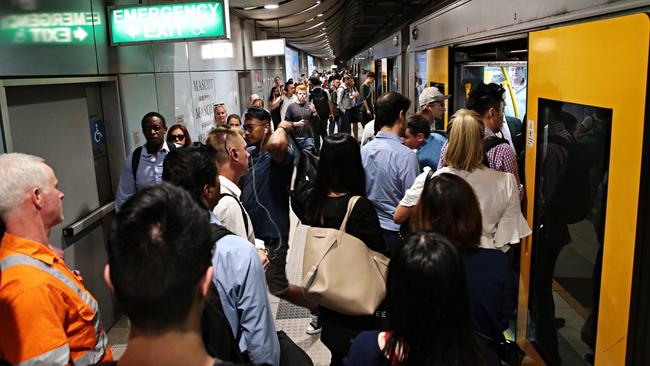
(432, 103)
(426, 143)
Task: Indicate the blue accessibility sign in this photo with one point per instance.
(97, 132)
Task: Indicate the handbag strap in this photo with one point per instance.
(351, 203)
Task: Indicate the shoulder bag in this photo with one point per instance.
(340, 272)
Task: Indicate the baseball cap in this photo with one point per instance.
(430, 95)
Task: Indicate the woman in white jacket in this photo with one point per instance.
(497, 192)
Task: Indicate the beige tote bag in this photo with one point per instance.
(340, 272)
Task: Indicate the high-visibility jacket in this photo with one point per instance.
(47, 317)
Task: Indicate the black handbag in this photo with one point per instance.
(508, 351)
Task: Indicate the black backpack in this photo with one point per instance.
(517, 132)
(490, 143)
(306, 167)
(571, 200)
(216, 331)
(321, 102)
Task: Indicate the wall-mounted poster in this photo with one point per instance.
(292, 63)
(310, 65)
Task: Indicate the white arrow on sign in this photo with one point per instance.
(80, 34)
(133, 31)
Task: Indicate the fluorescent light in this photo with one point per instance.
(268, 47)
(271, 6)
(217, 49)
(319, 15)
(250, 7)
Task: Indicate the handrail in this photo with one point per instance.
(89, 220)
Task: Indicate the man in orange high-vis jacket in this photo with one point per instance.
(47, 317)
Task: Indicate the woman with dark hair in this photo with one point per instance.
(448, 206)
(430, 321)
(178, 135)
(275, 103)
(234, 121)
(340, 177)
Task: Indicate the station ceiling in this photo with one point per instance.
(333, 29)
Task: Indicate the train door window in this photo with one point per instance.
(570, 201)
(379, 79)
(511, 75)
(513, 79)
(393, 74)
(419, 75)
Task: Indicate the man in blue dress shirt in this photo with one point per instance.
(238, 272)
(390, 166)
(150, 164)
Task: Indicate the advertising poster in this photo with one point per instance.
(289, 63)
(310, 65)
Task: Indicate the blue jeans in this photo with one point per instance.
(306, 143)
(337, 122)
(345, 122)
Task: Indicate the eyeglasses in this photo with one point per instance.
(251, 127)
(174, 138)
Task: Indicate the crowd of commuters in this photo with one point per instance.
(201, 234)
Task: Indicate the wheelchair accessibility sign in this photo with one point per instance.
(97, 132)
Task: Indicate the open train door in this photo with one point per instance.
(586, 189)
(438, 74)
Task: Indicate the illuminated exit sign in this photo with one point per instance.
(66, 27)
(170, 22)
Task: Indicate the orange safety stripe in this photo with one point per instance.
(49, 314)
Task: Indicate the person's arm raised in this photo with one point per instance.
(279, 142)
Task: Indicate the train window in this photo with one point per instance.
(570, 200)
(394, 64)
(511, 75)
(420, 76)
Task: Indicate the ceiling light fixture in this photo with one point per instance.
(271, 6)
(320, 15)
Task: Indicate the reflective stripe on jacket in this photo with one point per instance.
(47, 315)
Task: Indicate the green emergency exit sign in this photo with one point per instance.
(178, 21)
(63, 27)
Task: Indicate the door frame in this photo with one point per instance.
(560, 79)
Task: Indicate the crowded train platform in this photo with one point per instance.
(333, 182)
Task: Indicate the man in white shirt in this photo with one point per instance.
(288, 97)
(233, 162)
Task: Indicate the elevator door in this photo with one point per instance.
(55, 123)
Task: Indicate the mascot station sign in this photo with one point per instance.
(127, 24)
